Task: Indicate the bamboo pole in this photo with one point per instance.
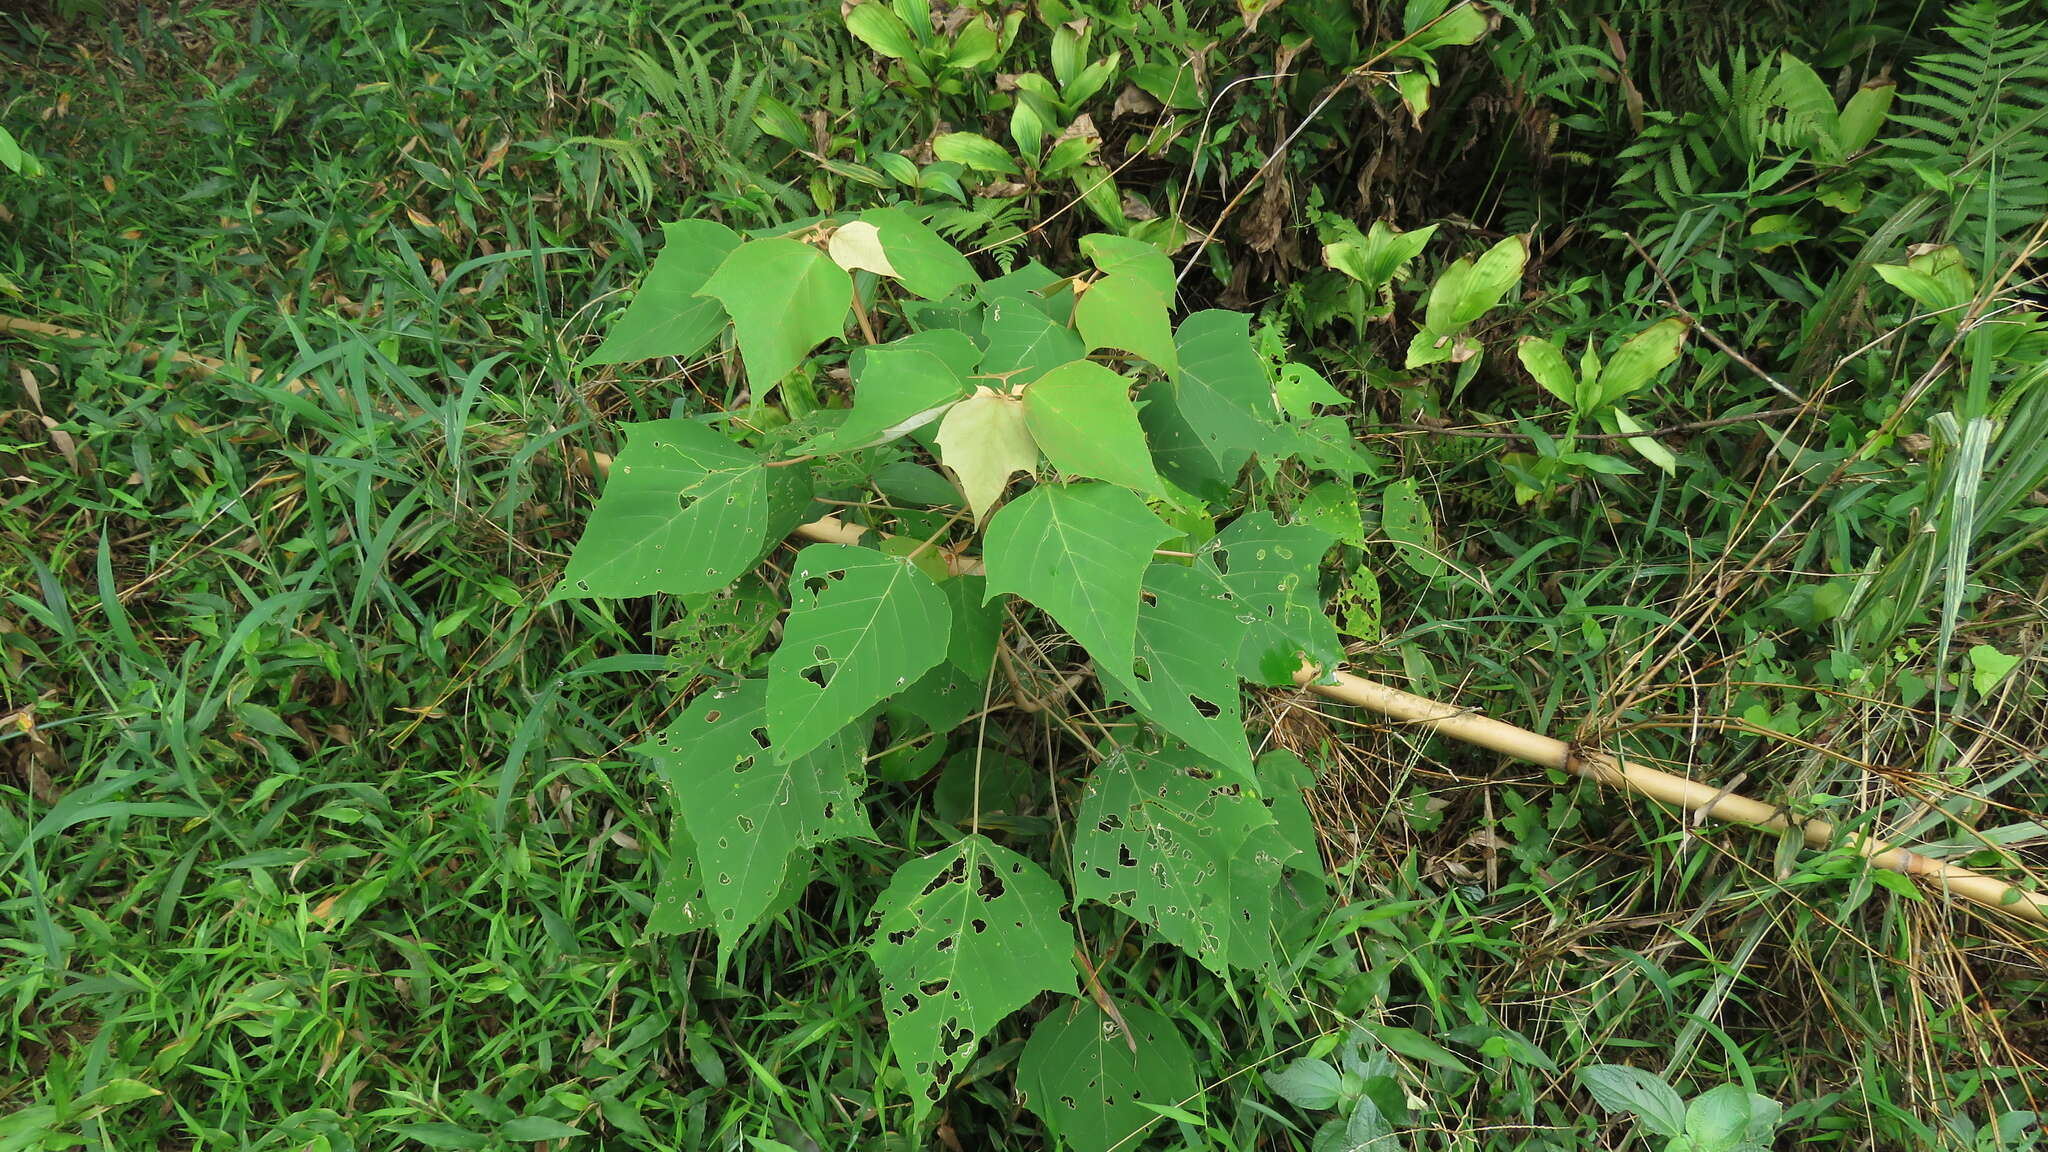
(1692, 796)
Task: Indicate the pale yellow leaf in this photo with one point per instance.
(985, 441)
(858, 244)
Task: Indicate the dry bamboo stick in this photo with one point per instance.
(1690, 795)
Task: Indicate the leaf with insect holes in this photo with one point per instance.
(1126, 312)
(1185, 675)
(784, 298)
(862, 626)
(963, 938)
(923, 261)
(1166, 842)
(667, 317)
(1077, 552)
(1273, 572)
(1089, 1076)
(749, 813)
(897, 390)
(1082, 418)
(984, 439)
(1023, 342)
(1407, 522)
(684, 511)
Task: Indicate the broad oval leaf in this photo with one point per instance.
(1089, 1076)
(879, 28)
(1166, 842)
(1125, 312)
(747, 813)
(962, 938)
(862, 626)
(897, 390)
(785, 298)
(684, 511)
(1077, 552)
(975, 151)
(667, 317)
(1639, 361)
(985, 441)
(1081, 415)
(1546, 362)
(1622, 1088)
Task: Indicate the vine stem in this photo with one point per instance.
(1691, 796)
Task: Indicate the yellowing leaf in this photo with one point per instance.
(858, 244)
(985, 441)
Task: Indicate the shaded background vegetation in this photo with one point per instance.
(319, 827)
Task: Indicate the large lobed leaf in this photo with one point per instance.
(1163, 840)
(862, 626)
(963, 938)
(1185, 676)
(684, 511)
(1081, 415)
(1078, 552)
(747, 812)
(1089, 1076)
(1273, 572)
(667, 317)
(784, 297)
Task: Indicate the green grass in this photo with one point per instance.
(318, 829)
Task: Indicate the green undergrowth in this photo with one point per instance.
(323, 825)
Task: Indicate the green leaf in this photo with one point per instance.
(984, 439)
(862, 626)
(1717, 1120)
(896, 391)
(924, 262)
(1206, 422)
(963, 938)
(1407, 522)
(747, 813)
(1621, 1088)
(1332, 509)
(1112, 255)
(1125, 312)
(441, 1135)
(1272, 570)
(679, 894)
(1650, 449)
(975, 151)
(1414, 1045)
(1077, 552)
(1080, 1074)
(684, 511)
(1080, 414)
(1165, 842)
(1989, 666)
(784, 298)
(667, 317)
(877, 27)
(1380, 254)
(1462, 24)
(1547, 364)
(1469, 288)
(1185, 675)
(1638, 362)
(1300, 388)
(1863, 116)
(529, 1128)
(1308, 1083)
(1022, 341)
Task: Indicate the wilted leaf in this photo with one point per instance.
(984, 439)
